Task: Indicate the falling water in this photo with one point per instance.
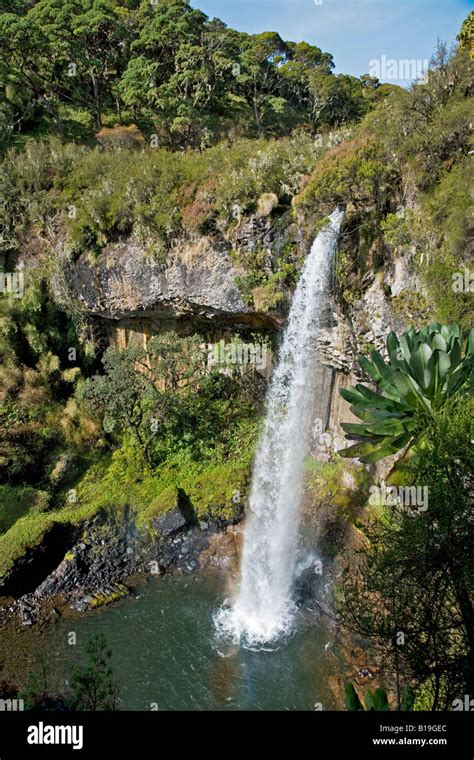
(263, 609)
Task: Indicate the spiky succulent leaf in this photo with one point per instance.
(424, 368)
(407, 698)
(352, 700)
(380, 700)
(420, 362)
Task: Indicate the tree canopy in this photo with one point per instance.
(70, 66)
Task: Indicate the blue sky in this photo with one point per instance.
(354, 31)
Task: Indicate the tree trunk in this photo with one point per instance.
(467, 614)
(256, 111)
(54, 114)
(95, 86)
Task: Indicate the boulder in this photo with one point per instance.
(65, 471)
(172, 522)
(177, 518)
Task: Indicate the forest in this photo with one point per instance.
(151, 126)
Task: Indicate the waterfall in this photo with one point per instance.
(263, 610)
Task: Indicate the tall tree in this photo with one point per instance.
(260, 81)
(88, 47)
(25, 69)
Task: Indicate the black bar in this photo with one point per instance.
(141, 734)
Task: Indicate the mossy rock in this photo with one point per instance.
(165, 502)
(218, 492)
(108, 595)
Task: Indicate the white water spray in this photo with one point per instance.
(263, 609)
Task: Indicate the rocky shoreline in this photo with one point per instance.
(110, 560)
(108, 553)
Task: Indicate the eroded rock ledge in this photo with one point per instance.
(196, 282)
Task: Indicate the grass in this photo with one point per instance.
(17, 502)
(30, 530)
(340, 483)
(214, 487)
(215, 490)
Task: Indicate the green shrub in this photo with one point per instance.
(17, 502)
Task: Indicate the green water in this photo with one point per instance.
(165, 652)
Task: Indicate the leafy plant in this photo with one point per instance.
(93, 685)
(377, 700)
(424, 369)
(414, 572)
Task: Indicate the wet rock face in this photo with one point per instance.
(224, 549)
(195, 281)
(178, 552)
(171, 523)
(88, 573)
(347, 331)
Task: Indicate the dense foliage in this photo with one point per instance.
(377, 700)
(97, 196)
(75, 65)
(146, 120)
(405, 177)
(168, 399)
(424, 370)
(411, 590)
(91, 687)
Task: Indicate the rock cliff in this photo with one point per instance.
(196, 289)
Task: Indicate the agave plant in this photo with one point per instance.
(424, 369)
(376, 701)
